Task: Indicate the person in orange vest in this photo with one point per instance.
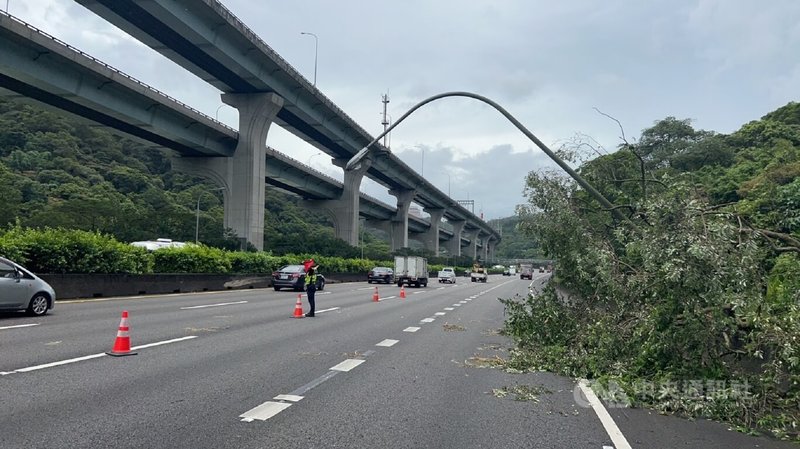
(311, 290)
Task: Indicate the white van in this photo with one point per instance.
(22, 290)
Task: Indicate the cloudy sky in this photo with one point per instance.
(720, 63)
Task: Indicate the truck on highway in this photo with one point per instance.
(411, 270)
(478, 273)
(447, 274)
(526, 271)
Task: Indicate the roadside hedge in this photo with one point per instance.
(72, 251)
(57, 251)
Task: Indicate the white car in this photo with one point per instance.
(152, 245)
(22, 290)
(448, 274)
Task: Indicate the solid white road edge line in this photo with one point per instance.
(608, 422)
(213, 305)
(18, 326)
(288, 397)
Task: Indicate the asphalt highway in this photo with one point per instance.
(235, 370)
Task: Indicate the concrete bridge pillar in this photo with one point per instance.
(488, 249)
(472, 235)
(242, 175)
(344, 211)
(432, 236)
(399, 232)
(454, 244)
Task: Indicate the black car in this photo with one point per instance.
(294, 277)
(380, 274)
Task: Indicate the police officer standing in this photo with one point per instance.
(311, 290)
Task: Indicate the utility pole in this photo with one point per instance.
(385, 122)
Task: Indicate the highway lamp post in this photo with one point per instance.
(197, 213)
(355, 161)
(316, 47)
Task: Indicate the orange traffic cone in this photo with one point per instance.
(403, 292)
(375, 296)
(298, 308)
(122, 345)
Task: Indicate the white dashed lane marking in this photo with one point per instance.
(264, 411)
(288, 397)
(18, 326)
(427, 320)
(214, 305)
(89, 357)
(327, 310)
(387, 343)
(411, 329)
(440, 313)
(449, 308)
(347, 365)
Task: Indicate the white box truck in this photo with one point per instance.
(411, 270)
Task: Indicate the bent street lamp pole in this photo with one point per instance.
(354, 162)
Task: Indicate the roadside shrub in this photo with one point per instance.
(72, 251)
(248, 262)
(191, 259)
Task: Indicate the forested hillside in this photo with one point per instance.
(692, 304)
(58, 171)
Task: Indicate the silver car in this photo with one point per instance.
(22, 290)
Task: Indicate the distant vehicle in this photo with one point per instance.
(526, 271)
(478, 273)
(411, 270)
(380, 274)
(20, 289)
(152, 245)
(448, 274)
(512, 270)
(541, 269)
(294, 277)
(506, 272)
